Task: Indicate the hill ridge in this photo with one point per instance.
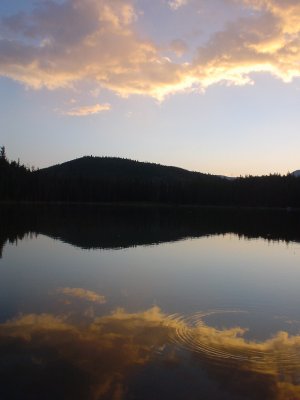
(107, 166)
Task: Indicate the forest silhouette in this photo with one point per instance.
(118, 180)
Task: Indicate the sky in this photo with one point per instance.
(210, 86)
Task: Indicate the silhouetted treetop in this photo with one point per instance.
(2, 153)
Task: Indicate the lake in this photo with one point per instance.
(103, 302)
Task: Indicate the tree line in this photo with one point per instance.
(20, 183)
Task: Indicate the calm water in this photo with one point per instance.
(149, 303)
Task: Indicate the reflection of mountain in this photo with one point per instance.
(115, 227)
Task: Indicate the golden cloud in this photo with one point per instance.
(95, 41)
(88, 110)
(83, 294)
(268, 41)
(59, 45)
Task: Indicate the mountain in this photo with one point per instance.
(117, 168)
(116, 180)
(111, 179)
(296, 173)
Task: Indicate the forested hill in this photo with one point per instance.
(115, 180)
(116, 168)
(111, 179)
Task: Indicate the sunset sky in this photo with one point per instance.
(207, 85)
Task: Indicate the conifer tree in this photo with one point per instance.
(2, 153)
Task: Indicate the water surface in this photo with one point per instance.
(149, 303)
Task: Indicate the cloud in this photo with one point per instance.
(175, 4)
(267, 41)
(88, 110)
(61, 44)
(179, 47)
(64, 44)
(83, 294)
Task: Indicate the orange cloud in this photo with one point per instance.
(59, 45)
(95, 41)
(88, 110)
(83, 294)
(268, 41)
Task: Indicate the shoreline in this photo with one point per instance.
(146, 205)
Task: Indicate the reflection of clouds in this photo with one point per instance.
(103, 353)
(24, 326)
(83, 294)
(100, 353)
(276, 360)
(228, 345)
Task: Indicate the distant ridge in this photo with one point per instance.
(296, 173)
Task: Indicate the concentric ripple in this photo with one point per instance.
(278, 354)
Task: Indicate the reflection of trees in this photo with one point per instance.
(105, 357)
(115, 227)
